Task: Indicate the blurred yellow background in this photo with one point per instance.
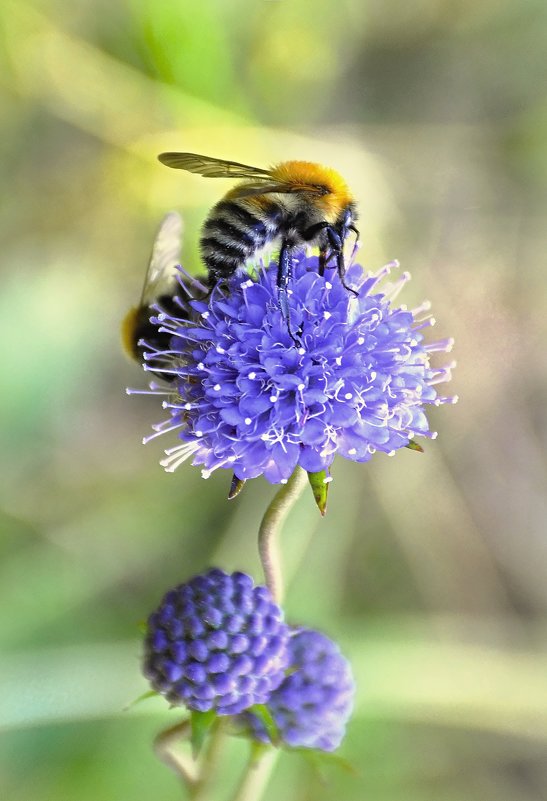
(430, 570)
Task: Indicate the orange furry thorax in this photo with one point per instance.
(334, 197)
(306, 173)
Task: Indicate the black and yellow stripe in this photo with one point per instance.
(234, 231)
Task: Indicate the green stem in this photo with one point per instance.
(256, 776)
(196, 775)
(262, 761)
(200, 791)
(166, 747)
(274, 517)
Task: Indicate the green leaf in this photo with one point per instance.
(319, 483)
(201, 723)
(413, 446)
(262, 712)
(144, 697)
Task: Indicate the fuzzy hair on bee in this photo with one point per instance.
(298, 203)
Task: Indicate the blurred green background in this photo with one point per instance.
(429, 569)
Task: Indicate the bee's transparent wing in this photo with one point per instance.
(162, 274)
(281, 188)
(210, 167)
(260, 182)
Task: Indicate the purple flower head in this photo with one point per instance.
(313, 704)
(216, 642)
(247, 398)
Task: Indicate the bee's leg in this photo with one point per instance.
(324, 253)
(213, 280)
(337, 246)
(324, 256)
(355, 231)
(356, 243)
(216, 283)
(284, 275)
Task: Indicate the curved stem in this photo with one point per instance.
(166, 747)
(195, 775)
(256, 776)
(262, 761)
(274, 517)
(209, 764)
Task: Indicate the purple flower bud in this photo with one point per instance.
(314, 702)
(209, 663)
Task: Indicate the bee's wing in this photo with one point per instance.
(213, 168)
(283, 188)
(260, 182)
(162, 273)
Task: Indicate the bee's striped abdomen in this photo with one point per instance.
(234, 231)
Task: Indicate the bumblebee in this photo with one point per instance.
(160, 288)
(296, 202)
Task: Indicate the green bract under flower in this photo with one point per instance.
(247, 398)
